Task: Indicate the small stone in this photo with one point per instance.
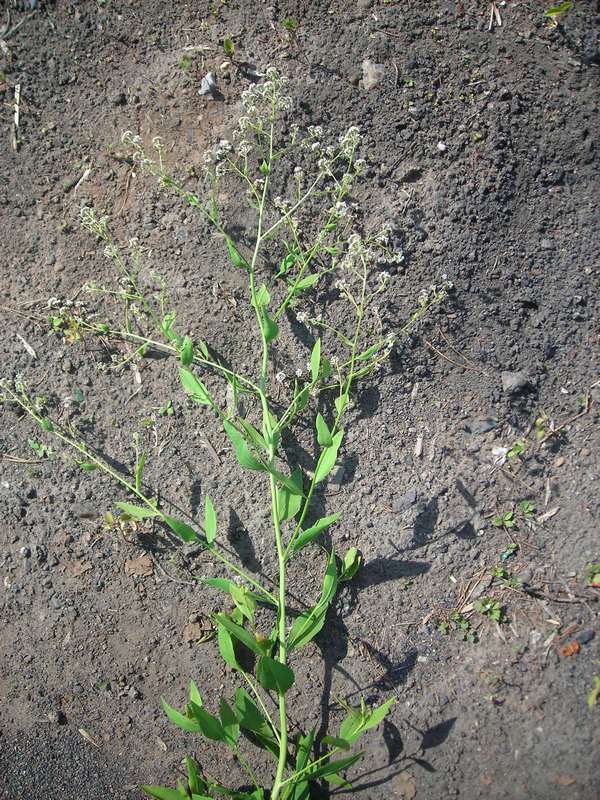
(405, 501)
(558, 462)
(583, 637)
(514, 382)
(58, 267)
(25, 552)
(441, 147)
(482, 425)
(373, 74)
(547, 244)
(118, 99)
(134, 693)
(67, 365)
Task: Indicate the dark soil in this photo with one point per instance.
(483, 154)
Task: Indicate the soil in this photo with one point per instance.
(482, 147)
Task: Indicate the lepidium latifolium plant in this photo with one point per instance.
(304, 241)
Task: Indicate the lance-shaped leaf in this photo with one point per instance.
(137, 512)
(289, 503)
(273, 675)
(229, 721)
(210, 726)
(361, 719)
(182, 529)
(331, 768)
(164, 793)
(311, 533)
(328, 457)
(194, 387)
(181, 720)
(315, 360)
(242, 453)
(351, 564)
(210, 520)
(323, 435)
(195, 780)
(226, 647)
(187, 352)
(251, 719)
(239, 633)
(308, 625)
(234, 254)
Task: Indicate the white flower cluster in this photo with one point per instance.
(349, 141)
(91, 223)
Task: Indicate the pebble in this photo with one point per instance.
(583, 637)
(25, 552)
(547, 244)
(513, 382)
(405, 501)
(373, 74)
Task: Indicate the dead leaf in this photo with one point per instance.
(563, 780)
(141, 566)
(405, 786)
(193, 631)
(571, 648)
(77, 568)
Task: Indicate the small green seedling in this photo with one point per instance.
(490, 608)
(41, 450)
(556, 13)
(167, 410)
(505, 520)
(517, 449)
(527, 508)
(291, 24)
(510, 550)
(592, 576)
(499, 572)
(186, 62)
(541, 426)
(228, 47)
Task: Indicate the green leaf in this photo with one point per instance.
(163, 793)
(234, 254)
(244, 600)
(256, 438)
(210, 726)
(228, 47)
(239, 633)
(288, 503)
(270, 328)
(226, 647)
(182, 721)
(351, 564)
(335, 741)
(182, 529)
(46, 424)
(308, 625)
(251, 719)
(307, 282)
(340, 403)
(137, 512)
(287, 263)
(86, 466)
(262, 298)
(187, 352)
(323, 435)
(273, 675)
(360, 719)
(328, 458)
(311, 533)
(210, 520)
(315, 361)
(561, 8)
(243, 455)
(195, 781)
(139, 470)
(167, 327)
(194, 387)
(229, 721)
(332, 767)
(194, 694)
(366, 354)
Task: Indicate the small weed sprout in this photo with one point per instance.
(309, 224)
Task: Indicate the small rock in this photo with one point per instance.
(482, 424)
(25, 552)
(547, 244)
(558, 462)
(118, 99)
(514, 382)
(67, 365)
(441, 147)
(583, 637)
(373, 74)
(405, 501)
(134, 693)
